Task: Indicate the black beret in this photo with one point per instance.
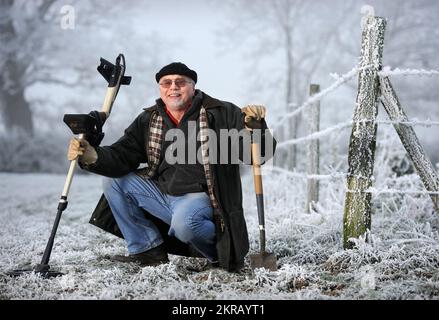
(176, 68)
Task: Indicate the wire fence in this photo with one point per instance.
(342, 176)
(336, 128)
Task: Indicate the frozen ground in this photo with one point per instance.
(401, 261)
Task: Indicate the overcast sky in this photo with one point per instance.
(190, 26)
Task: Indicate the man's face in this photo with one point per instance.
(176, 91)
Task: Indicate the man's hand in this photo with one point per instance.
(253, 116)
(82, 149)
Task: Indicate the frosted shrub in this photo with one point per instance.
(292, 277)
(39, 153)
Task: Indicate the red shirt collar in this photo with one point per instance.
(173, 119)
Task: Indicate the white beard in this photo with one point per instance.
(177, 104)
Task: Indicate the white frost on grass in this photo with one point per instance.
(401, 260)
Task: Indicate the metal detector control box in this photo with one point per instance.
(80, 123)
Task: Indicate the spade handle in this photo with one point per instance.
(257, 177)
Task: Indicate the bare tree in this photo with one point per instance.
(294, 36)
(289, 44)
(47, 70)
(37, 52)
(15, 61)
(30, 37)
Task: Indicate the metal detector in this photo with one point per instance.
(88, 126)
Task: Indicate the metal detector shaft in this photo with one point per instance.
(62, 205)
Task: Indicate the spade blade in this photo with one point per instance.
(263, 260)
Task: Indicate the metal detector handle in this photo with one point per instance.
(257, 177)
(70, 173)
(110, 96)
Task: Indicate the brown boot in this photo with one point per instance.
(152, 257)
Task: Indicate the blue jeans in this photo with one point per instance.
(189, 216)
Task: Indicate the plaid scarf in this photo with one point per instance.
(154, 147)
(205, 156)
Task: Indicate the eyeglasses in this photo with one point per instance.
(178, 82)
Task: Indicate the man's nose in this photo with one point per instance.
(174, 86)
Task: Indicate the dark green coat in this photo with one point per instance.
(129, 151)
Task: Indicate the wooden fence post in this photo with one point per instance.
(357, 208)
(313, 151)
(409, 140)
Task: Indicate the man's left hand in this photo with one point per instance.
(253, 116)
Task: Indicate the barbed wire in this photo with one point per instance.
(387, 71)
(341, 79)
(393, 191)
(414, 122)
(343, 175)
(315, 135)
(317, 97)
(343, 125)
(335, 175)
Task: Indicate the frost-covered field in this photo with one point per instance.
(401, 261)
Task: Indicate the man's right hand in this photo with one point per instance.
(82, 149)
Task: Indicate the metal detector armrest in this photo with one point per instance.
(111, 72)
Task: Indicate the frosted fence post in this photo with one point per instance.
(409, 140)
(357, 207)
(313, 151)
